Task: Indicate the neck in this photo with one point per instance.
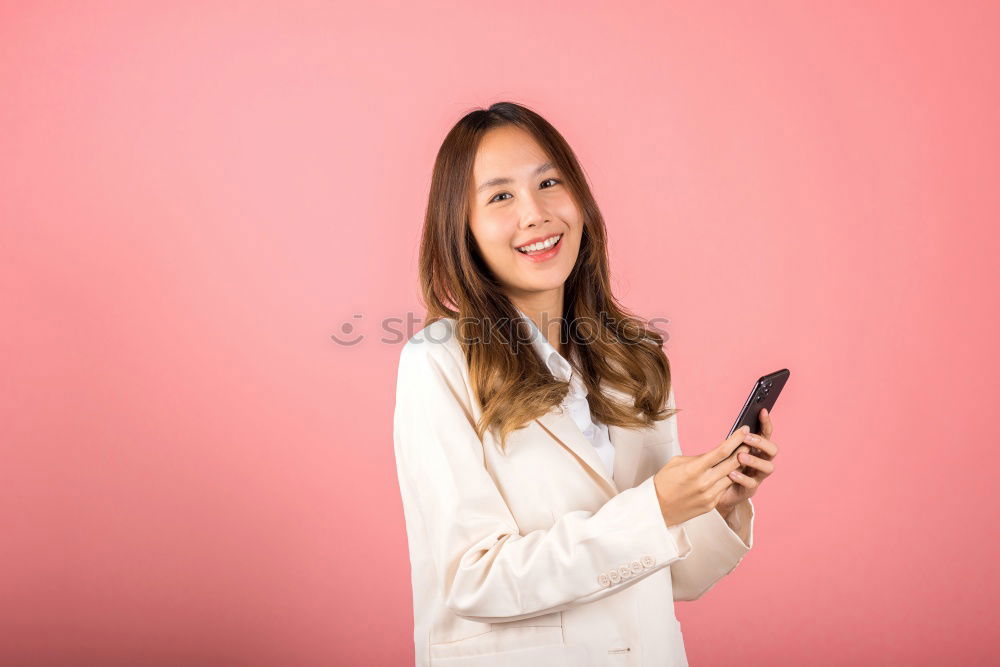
(545, 310)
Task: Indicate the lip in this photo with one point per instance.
(544, 256)
(537, 239)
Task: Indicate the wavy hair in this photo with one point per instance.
(606, 343)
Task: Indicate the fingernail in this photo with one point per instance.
(764, 410)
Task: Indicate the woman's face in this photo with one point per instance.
(517, 199)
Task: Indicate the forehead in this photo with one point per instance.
(507, 151)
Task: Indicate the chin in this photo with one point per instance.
(543, 285)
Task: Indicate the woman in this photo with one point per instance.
(551, 517)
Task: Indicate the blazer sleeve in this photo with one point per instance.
(488, 570)
(718, 544)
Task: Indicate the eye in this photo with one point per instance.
(555, 181)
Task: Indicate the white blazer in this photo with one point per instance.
(538, 557)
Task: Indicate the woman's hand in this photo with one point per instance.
(688, 486)
(758, 466)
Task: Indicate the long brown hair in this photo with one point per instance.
(606, 342)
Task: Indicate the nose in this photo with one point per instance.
(532, 215)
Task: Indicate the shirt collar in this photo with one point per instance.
(555, 362)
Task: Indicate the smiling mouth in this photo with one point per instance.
(541, 246)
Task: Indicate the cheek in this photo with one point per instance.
(568, 211)
(493, 237)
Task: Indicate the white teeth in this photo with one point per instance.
(540, 246)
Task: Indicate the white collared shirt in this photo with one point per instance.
(575, 403)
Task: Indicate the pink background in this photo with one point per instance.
(196, 196)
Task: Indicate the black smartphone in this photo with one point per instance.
(763, 395)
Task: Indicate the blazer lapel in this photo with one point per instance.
(561, 426)
(628, 450)
(627, 443)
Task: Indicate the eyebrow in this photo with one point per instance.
(503, 181)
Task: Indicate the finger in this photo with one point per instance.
(744, 480)
(739, 450)
(713, 457)
(767, 426)
(757, 463)
(720, 486)
(725, 467)
(765, 447)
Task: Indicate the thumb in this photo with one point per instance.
(724, 450)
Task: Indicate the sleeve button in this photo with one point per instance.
(648, 561)
(625, 571)
(614, 576)
(636, 567)
(604, 580)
